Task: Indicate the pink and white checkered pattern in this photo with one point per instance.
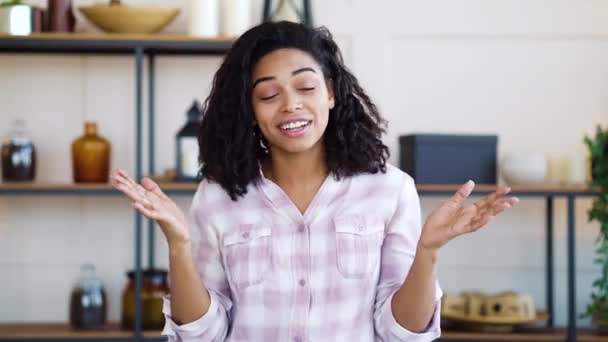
(274, 274)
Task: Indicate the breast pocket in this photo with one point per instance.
(248, 254)
(358, 245)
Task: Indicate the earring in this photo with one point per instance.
(258, 134)
(263, 146)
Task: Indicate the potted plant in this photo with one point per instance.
(7, 3)
(598, 153)
(15, 17)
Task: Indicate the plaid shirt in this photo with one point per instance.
(274, 274)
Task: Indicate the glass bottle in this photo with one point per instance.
(187, 146)
(88, 304)
(18, 155)
(91, 156)
(154, 287)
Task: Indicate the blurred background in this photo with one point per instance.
(534, 73)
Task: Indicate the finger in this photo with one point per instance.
(151, 186)
(478, 223)
(503, 204)
(122, 178)
(127, 179)
(133, 194)
(148, 199)
(464, 192)
(491, 198)
(149, 213)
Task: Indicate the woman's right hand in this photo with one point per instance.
(149, 200)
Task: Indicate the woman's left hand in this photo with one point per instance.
(452, 218)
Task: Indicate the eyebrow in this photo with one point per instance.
(293, 73)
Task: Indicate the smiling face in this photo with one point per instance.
(291, 101)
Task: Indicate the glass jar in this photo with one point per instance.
(88, 304)
(18, 155)
(154, 287)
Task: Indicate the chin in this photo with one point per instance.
(293, 148)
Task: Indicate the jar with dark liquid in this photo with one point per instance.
(18, 155)
(88, 303)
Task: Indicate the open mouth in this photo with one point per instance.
(295, 125)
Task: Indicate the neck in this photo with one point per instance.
(291, 170)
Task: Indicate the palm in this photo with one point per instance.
(452, 218)
(149, 200)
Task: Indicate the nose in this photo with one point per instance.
(292, 103)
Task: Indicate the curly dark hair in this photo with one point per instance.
(229, 143)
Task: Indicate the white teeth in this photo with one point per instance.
(294, 124)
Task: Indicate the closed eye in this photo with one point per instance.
(307, 89)
(269, 97)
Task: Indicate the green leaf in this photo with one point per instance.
(7, 3)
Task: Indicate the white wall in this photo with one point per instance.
(534, 72)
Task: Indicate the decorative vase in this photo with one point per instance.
(599, 318)
(60, 16)
(91, 157)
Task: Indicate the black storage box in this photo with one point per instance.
(449, 159)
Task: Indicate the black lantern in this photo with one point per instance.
(187, 164)
(291, 10)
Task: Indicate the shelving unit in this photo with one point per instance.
(113, 332)
(532, 335)
(549, 193)
(140, 47)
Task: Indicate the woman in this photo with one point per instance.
(300, 230)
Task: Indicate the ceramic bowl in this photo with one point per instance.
(129, 19)
(524, 169)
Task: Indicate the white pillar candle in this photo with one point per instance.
(236, 17)
(577, 169)
(203, 18)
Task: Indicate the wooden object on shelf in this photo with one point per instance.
(113, 43)
(59, 330)
(528, 335)
(121, 18)
(33, 186)
(125, 37)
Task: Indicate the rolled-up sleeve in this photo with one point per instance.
(401, 238)
(214, 324)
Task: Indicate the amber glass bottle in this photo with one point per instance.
(91, 156)
(154, 287)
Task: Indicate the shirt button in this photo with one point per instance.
(245, 235)
(297, 339)
(301, 229)
(302, 282)
(361, 227)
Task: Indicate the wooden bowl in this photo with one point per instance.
(118, 18)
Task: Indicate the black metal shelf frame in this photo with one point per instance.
(149, 49)
(550, 197)
(139, 49)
